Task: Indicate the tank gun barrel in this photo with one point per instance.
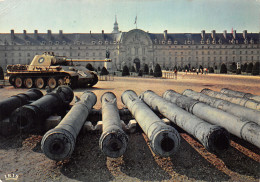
(88, 60)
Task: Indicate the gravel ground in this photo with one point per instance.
(21, 154)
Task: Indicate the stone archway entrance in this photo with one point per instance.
(137, 64)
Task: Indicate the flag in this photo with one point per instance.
(135, 20)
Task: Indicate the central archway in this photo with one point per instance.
(137, 64)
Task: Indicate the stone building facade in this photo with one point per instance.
(135, 47)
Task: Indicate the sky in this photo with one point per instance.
(154, 16)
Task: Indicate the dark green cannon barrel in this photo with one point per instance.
(113, 141)
(214, 138)
(164, 140)
(8, 105)
(240, 94)
(247, 130)
(59, 142)
(33, 115)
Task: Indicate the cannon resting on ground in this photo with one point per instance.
(32, 116)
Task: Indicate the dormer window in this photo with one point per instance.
(64, 42)
(106, 42)
(50, 42)
(188, 42)
(100, 42)
(202, 42)
(43, 43)
(251, 41)
(57, 42)
(213, 41)
(175, 42)
(93, 42)
(114, 42)
(163, 42)
(27, 42)
(246, 41)
(220, 41)
(169, 42)
(208, 41)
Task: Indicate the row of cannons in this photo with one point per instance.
(208, 116)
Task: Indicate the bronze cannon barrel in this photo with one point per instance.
(214, 138)
(113, 141)
(7, 106)
(33, 115)
(164, 139)
(247, 130)
(59, 142)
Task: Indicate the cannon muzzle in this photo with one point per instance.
(59, 142)
(113, 141)
(164, 139)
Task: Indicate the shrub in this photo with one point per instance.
(238, 71)
(140, 73)
(233, 67)
(249, 68)
(132, 69)
(256, 69)
(90, 67)
(104, 71)
(211, 70)
(146, 69)
(223, 68)
(151, 72)
(157, 71)
(125, 71)
(244, 67)
(1, 73)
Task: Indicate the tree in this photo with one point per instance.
(249, 68)
(151, 72)
(132, 69)
(146, 69)
(233, 67)
(1, 73)
(186, 67)
(140, 73)
(125, 71)
(256, 69)
(211, 70)
(90, 67)
(244, 67)
(104, 71)
(223, 68)
(157, 71)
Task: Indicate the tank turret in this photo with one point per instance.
(50, 70)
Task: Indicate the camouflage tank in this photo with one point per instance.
(50, 70)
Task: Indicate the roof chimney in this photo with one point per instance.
(49, 34)
(36, 34)
(12, 34)
(213, 34)
(234, 34)
(203, 34)
(225, 34)
(245, 34)
(165, 35)
(24, 34)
